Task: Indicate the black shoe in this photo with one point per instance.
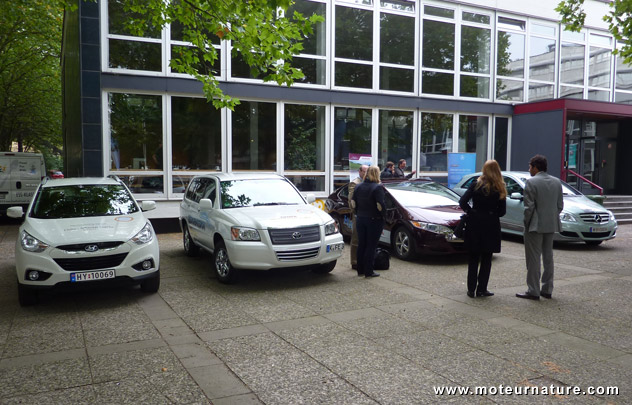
(360, 274)
(354, 266)
(374, 274)
(527, 296)
(485, 293)
(545, 295)
(470, 294)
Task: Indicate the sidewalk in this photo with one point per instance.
(292, 337)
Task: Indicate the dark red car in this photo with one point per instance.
(420, 217)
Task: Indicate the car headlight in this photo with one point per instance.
(31, 243)
(331, 228)
(145, 235)
(240, 233)
(434, 228)
(567, 217)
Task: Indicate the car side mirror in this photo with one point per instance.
(516, 196)
(310, 198)
(148, 205)
(15, 212)
(206, 204)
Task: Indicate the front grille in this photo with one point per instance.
(569, 234)
(596, 234)
(91, 263)
(293, 236)
(595, 217)
(81, 247)
(301, 254)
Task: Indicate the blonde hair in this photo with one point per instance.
(373, 174)
(492, 180)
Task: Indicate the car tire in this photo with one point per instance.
(325, 268)
(403, 244)
(26, 296)
(190, 248)
(151, 285)
(225, 271)
(593, 242)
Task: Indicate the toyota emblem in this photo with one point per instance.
(91, 248)
(297, 235)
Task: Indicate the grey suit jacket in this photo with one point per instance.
(543, 202)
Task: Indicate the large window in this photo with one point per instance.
(510, 57)
(623, 82)
(254, 136)
(397, 46)
(436, 141)
(599, 61)
(475, 55)
(501, 141)
(542, 49)
(473, 136)
(181, 43)
(437, 76)
(352, 134)
(395, 137)
(196, 134)
(354, 47)
(572, 61)
(313, 59)
(304, 146)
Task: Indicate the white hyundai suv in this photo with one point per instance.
(84, 231)
(258, 222)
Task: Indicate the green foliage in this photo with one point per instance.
(619, 20)
(30, 74)
(259, 32)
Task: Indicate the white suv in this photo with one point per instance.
(84, 231)
(258, 222)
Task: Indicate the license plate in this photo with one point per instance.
(92, 275)
(598, 229)
(335, 247)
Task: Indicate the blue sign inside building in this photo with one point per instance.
(460, 164)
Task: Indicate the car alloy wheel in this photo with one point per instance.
(225, 271)
(190, 248)
(403, 243)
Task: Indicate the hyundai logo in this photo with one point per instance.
(297, 235)
(91, 248)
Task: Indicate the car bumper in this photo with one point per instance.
(586, 233)
(429, 243)
(56, 275)
(261, 256)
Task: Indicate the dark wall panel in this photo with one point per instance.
(537, 133)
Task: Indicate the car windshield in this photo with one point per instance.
(420, 198)
(76, 201)
(428, 188)
(567, 189)
(258, 192)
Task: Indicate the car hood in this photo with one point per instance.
(83, 230)
(442, 215)
(278, 216)
(579, 204)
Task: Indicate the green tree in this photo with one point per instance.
(260, 33)
(619, 20)
(30, 79)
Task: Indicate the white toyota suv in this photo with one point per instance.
(84, 231)
(258, 222)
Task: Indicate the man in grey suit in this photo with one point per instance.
(543, 202)
(354, 232)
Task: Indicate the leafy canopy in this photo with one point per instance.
(619, 20)
(260, 34)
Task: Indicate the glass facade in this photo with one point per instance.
(408, 50)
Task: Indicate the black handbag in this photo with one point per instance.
(459, 231)
(382, 260)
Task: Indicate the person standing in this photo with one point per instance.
(368, 199)
(354, 230)
(399, 170)
(387, 173)
(543, 202)
(482, 233)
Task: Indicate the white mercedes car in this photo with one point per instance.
(257, 222)
(84, 231)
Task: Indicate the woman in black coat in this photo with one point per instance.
(482, 233)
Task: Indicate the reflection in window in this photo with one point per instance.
(475, 49)
(354, 33)
(136, 132)
(598, 95)
(572, 63)
(118, 19)
(510, 90)
(571, 92)
(436, 141)
(437, 83)
(474, 86)
(304, 137)
(540, 91)
(438, 45)
(254, 136)
(473, 137)
(135, 55)
(196, 134)
(599, 67)
(510, 54)
(395, 137)
(315, 43)
(501, 132)
(542, 59)
(623, 75)
(352, 134)
(313, 69)
(197, 57)
(396, 44)
(354, 75)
